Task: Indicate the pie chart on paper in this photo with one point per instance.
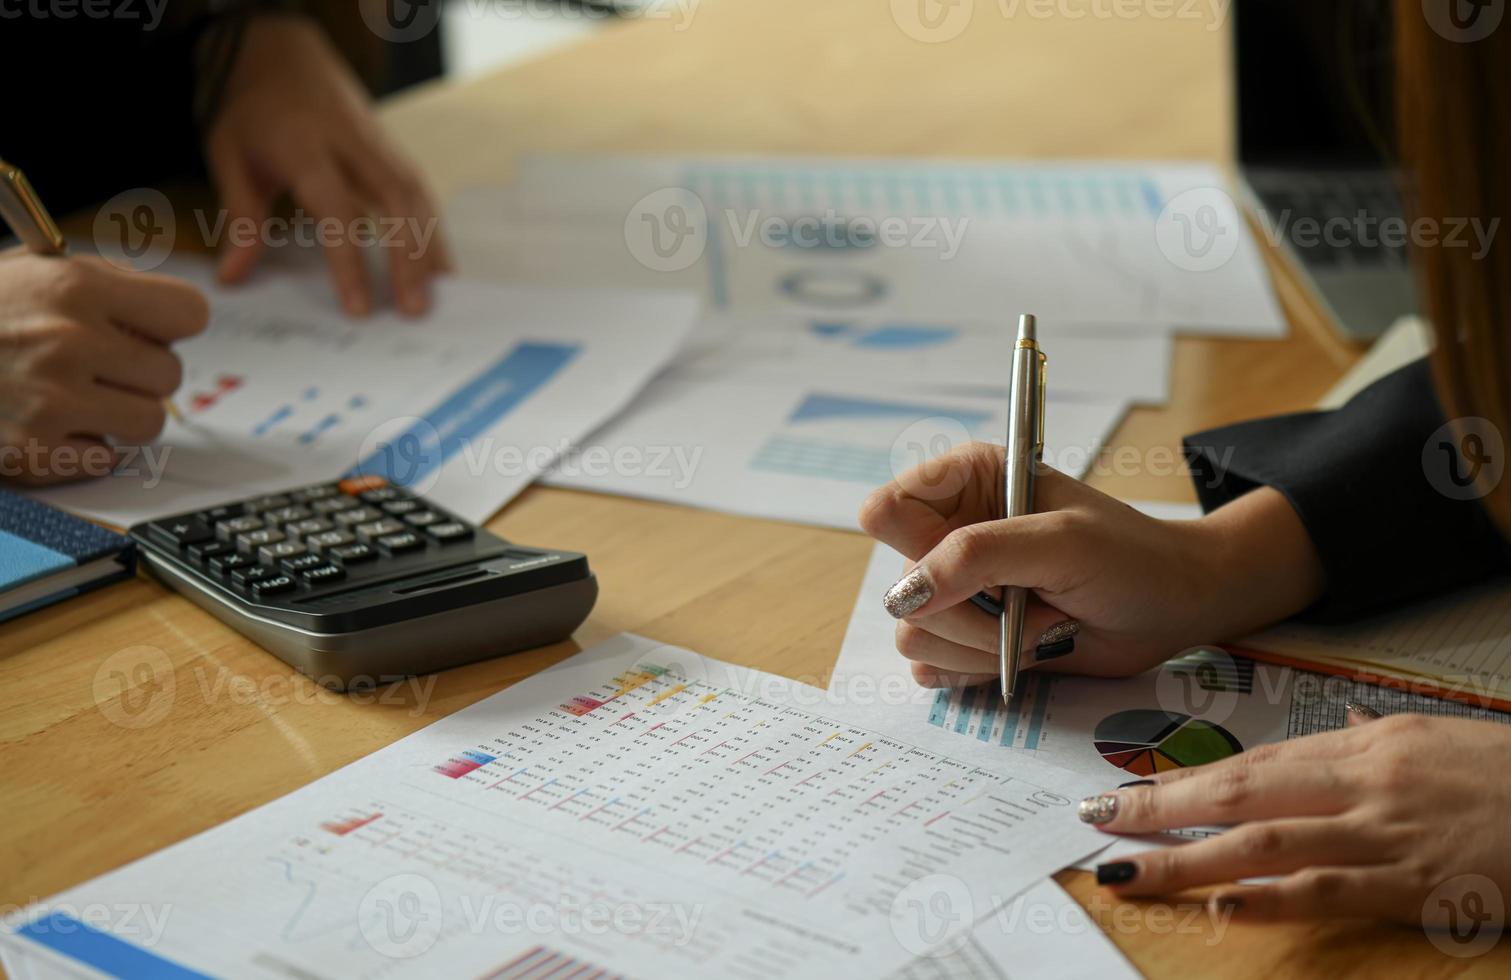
(1147, 741)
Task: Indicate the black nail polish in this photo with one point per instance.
(1137, 782)
(1116, 873)
(1052, 651)
(1228, 903)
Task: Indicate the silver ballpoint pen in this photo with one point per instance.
(1025, 448)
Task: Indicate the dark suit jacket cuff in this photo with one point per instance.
(1357, 480)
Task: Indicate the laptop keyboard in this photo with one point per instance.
(1335, 221)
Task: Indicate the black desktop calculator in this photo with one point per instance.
(358, 583)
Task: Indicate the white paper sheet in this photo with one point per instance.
(1042, 935)
(637, 809)
(467, 405)
(1200, 707)
(957, 355)
(1076, 243)
(796, 453)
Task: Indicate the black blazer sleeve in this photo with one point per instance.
(1358, 479)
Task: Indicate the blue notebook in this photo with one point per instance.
(47, 556)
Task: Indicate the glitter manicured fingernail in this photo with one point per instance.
(1362, 711)
(1059, 632)
(1098, 809)
(909, 595)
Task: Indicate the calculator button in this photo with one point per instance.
(182, 531)
(397, 507)
(321, 574)
(382, 495)
(285, 515)
(249, 573)
(217, 514)
(358, 515)
(376, 529)
(358, 484)
(449, 531)
(397, 544)
(272, 554)
(421, 517)
(311, 494)
(328, 539)
(272, 585)
(307, 527)
(206, 550)
(252, 540)
(352, 554)
(301, 563)
(332, 504)
(226, 530)
(259, 504)
(228, 563)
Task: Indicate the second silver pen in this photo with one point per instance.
(1025, 447)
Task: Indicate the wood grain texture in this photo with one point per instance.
(100, 765)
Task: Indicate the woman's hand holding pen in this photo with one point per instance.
(84, 357)
(1126, 590)
(293, 118)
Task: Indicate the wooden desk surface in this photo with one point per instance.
(95, 773)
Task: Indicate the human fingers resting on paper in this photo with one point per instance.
(84, 360)
(1113, 591)
(1403, 818)
(293, 118)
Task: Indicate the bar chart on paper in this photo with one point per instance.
(750, 837)
(808, 453)
(281, 390)
(840, 437)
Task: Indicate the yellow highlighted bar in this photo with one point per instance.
(708, 697)
(859, 750)
(666, 694)
(830, 739)
(632, 681)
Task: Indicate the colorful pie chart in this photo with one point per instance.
(1147, 741)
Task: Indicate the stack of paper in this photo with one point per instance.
(856, 315)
